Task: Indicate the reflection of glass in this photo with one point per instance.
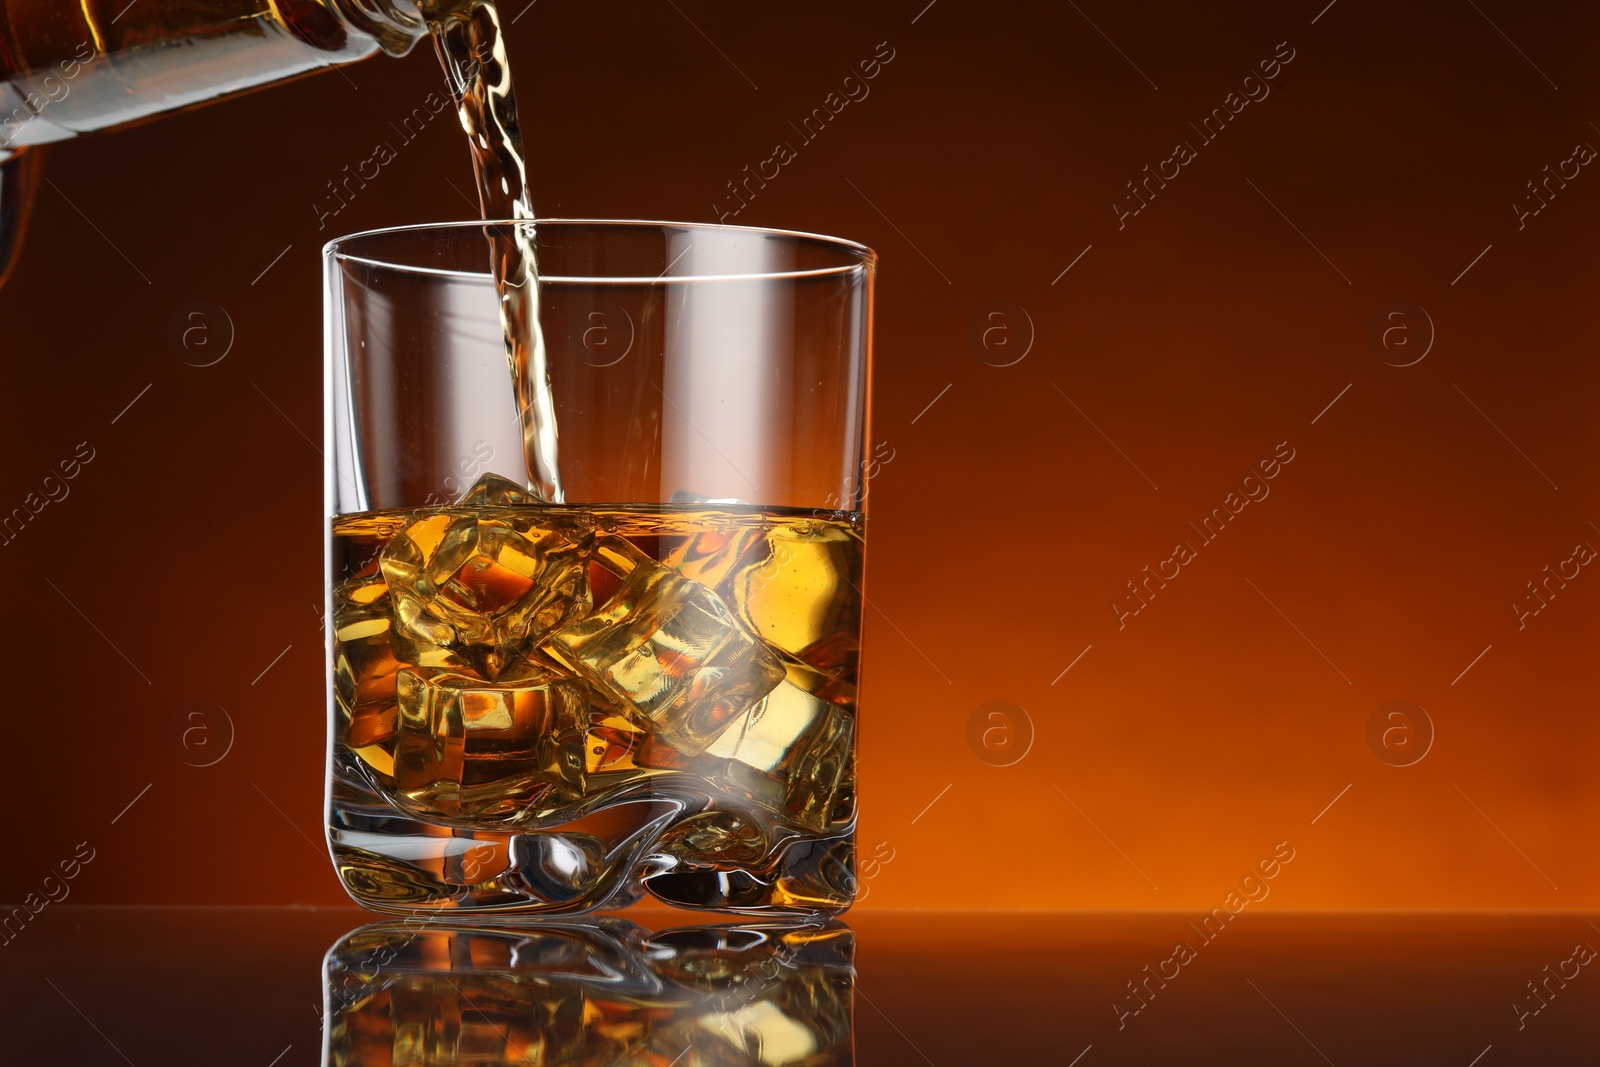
(647, 682)
(603, 992)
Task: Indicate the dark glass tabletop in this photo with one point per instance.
(284, 987)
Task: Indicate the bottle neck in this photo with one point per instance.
(85, 72)
(396, 25)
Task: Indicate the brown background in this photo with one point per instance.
(1222, 720)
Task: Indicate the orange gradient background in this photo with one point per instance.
(1180, 749)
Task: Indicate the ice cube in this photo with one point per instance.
(363, 661)
(480, 587)
(802, 589)
(708, 556)
(835, 655)
(620, 741)
(830, 688)
(364, 667)
(793, 754)
(612, 742)
(488, 751)
(671, 649)
(494, 491)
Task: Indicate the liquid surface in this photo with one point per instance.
(550, 708)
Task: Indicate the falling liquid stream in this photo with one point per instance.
(468, 38)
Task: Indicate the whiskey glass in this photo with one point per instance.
(648, 684)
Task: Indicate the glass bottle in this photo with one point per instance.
(68, 68)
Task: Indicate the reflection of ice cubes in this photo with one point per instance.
(604, 992)
(488, 751)
(793, 754)
(480, 587)
(670, 648)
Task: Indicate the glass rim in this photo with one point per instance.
(861, 257)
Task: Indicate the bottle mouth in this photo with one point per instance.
(397, 25)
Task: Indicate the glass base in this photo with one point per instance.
(605, 861)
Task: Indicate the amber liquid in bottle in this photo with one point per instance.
(69, 67)
(72, 67)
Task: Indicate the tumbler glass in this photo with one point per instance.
(648, 683)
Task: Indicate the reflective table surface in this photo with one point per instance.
(286, 987)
